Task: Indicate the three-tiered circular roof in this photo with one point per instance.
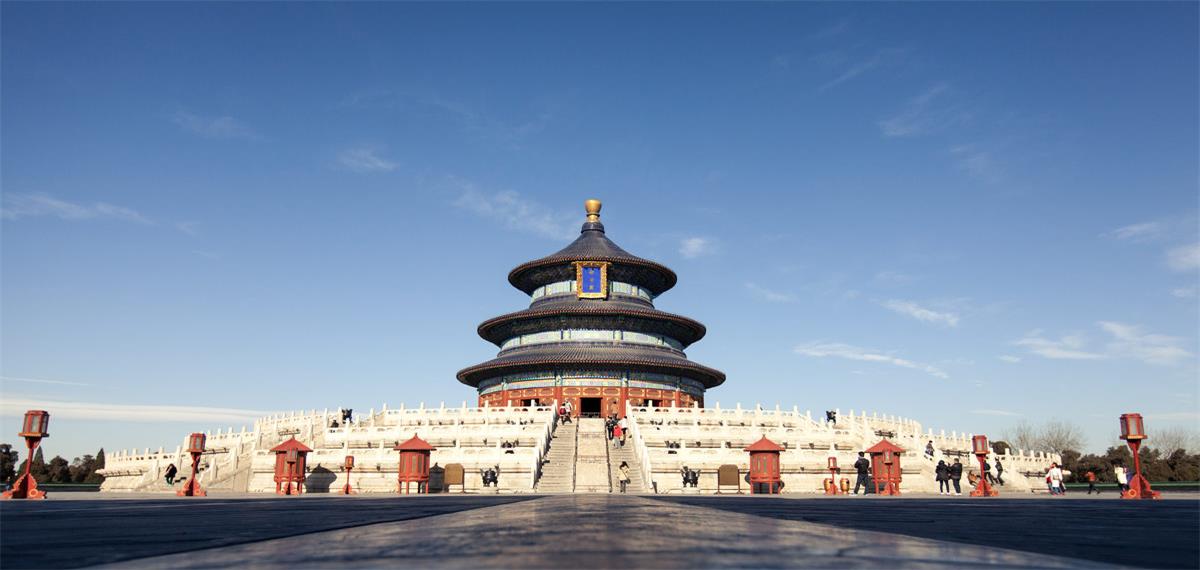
(567, 311)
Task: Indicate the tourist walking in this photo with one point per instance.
(609, 423)
(956, 476)
(618, 435)
(624, 425)
(570, 410)
(624, 476)
(942, 474)
(990, 471)
(1122, 477)
(929, 449)
(1091, 479)
(863, 468)
(170, 474)
(999, 471)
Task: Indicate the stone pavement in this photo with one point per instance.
(593, 531)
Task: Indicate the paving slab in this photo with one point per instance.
(1154, 534)
(601, 531)
(82, 530)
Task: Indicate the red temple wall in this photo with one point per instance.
(612, 401)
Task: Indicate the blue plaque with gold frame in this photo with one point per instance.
(591, 279)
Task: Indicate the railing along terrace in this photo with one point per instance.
(639, 445)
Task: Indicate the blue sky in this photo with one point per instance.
(971, 215)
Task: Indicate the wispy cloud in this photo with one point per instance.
(850, 352)
(189, 228)
(1184, 257)
(1128, 341)
(16, 206)
(1070, 347)
(1131, 342)
(858, 68)
(1009, 358)
(128, 412)
(42, 381)
(1145, 231)
(693, 247)
(976, 162)
(769, 295)
(911, 309)
(364, 160)
(224, 127)
(925, 113)
(1184, 292)
(516, 212)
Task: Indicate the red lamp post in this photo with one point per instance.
(196, 448)
(831, 487)
(979, 445)
(33, 429)
(348, 490)
(1133, 432)
(290, 459)
(414, 464)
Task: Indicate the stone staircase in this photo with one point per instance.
(581, 460)
(591, 457)
(618, 454)
(558, 471)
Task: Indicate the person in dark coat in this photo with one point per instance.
(863, 468)
(956, 476)
(170, 474)
(942, 474)
(999, 471)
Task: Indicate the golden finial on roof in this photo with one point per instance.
(593, 209)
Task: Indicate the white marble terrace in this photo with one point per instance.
(240, 460)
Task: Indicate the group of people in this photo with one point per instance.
(616, 429)
(565, 411)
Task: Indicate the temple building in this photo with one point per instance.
(591, 334)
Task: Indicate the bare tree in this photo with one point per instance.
(1023, 436)
(1058, 436)
(1171, 439)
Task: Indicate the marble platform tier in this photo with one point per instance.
(710, 437)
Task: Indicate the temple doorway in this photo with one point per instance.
(589, 407)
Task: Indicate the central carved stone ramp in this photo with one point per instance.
(591, 457)
(636, 483)
(558, 471)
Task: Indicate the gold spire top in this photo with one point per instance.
(593, 209)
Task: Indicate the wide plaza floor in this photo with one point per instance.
(596, 531)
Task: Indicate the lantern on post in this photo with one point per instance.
(885, 467)
(831, 487)
(33, 429)
(414, 464)
(979, 444)
(348, 490)
(1133, 432)
(764, 467)
(290, 459)
(195, 447)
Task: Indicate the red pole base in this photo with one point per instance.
(25, 487)
(984, 489)
(191, 489)
(831, 486)
(1139, 488)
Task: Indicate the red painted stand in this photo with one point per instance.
(347, 489)
(885, 467)
(290, 459)
(196, 447)
(35, 427)
(979, 444)
(414, 464)
(831, 487)
(1133, 432)
(764, 467)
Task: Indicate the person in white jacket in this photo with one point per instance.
(1056, 479)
